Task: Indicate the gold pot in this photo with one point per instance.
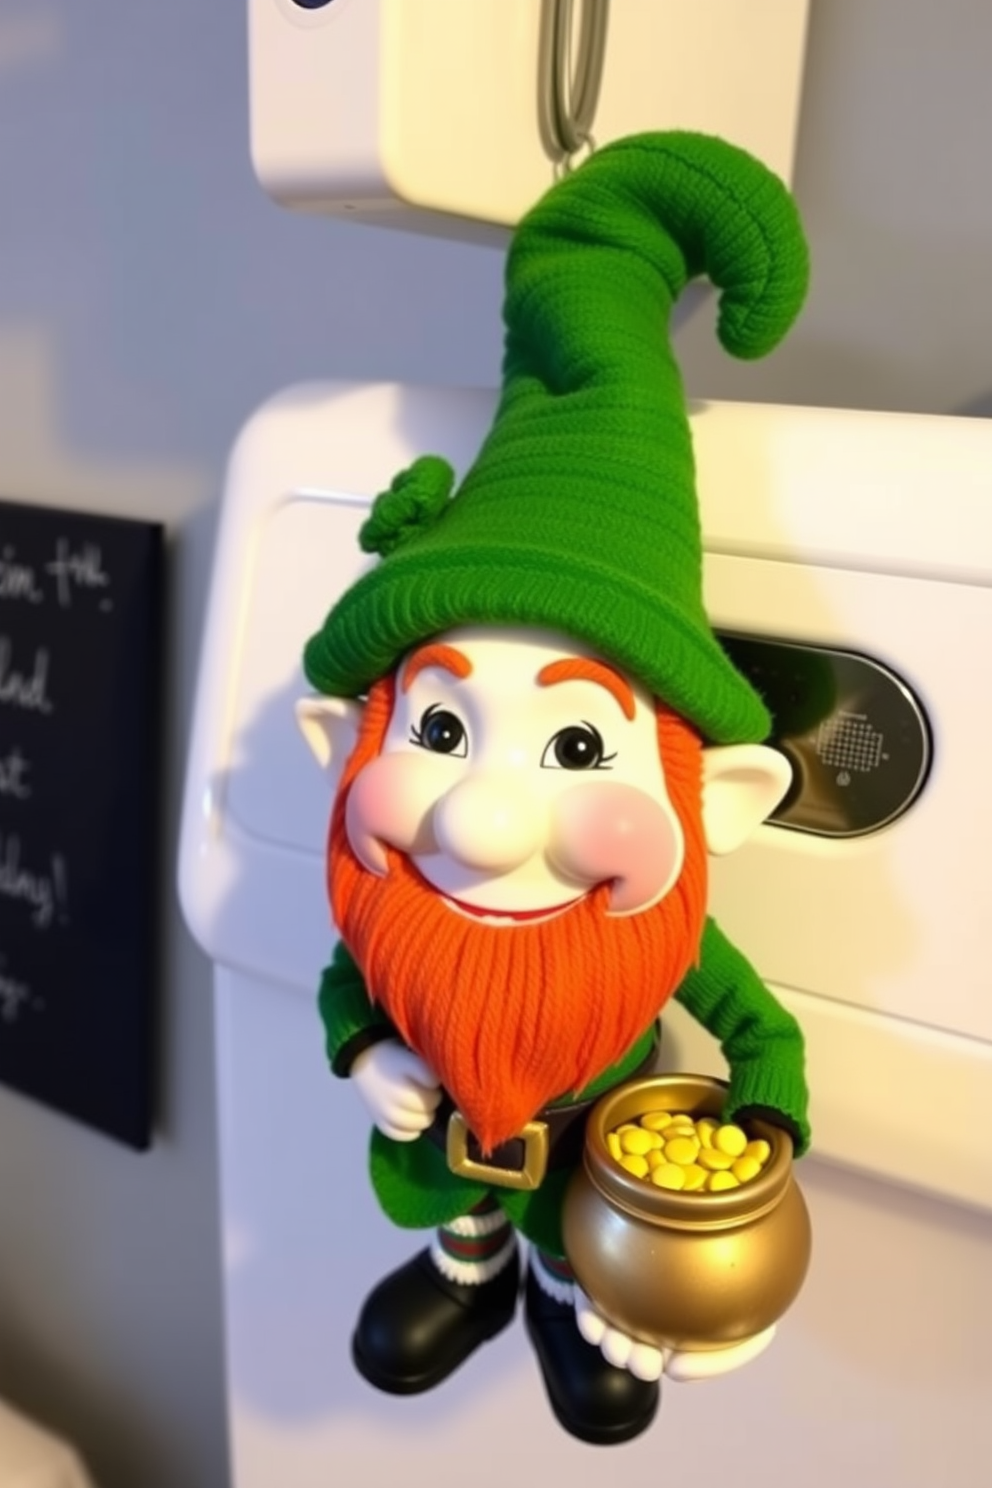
(681, 1270)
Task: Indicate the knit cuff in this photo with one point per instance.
(351, 1022)
(474, 1273)
(344, 1059)
(768, 1094)
(746, 1114)
(553, 1283)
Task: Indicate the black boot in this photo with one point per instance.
(591, 1399)
(416, 1326)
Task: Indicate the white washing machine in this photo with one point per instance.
(862, 541)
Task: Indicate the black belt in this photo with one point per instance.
(553, 1139)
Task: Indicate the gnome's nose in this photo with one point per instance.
(488, 821)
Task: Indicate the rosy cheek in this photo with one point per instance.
(603, 832)
(390, 802)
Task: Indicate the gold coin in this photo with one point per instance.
(681, 1149)
(636, 1141)
(730, 1139)
(668, 1175)
(745, 1168)
(695, 1177)
(714, 1159)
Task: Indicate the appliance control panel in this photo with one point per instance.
(855, 733)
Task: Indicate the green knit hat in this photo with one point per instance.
(580, 512)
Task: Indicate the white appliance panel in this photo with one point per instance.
(877, 942)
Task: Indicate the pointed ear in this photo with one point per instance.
(742, 783)
(330, 727)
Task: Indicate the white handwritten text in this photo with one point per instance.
(82, 567)
(13, 775)
(17, 580)
(17, 689)
(42, 893)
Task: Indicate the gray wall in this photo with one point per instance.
(150, 297)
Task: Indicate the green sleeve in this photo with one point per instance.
(762, 1043)
(351, 1022)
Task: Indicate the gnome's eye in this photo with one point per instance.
(577, 747)
(441, 732)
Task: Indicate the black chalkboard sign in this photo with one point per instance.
(80, 687)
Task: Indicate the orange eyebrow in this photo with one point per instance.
(582, 669)
(435, 655)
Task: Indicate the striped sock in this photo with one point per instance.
(553, 1276)
(476, 1247)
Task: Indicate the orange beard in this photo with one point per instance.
(513, 1016)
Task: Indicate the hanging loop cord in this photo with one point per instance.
(573, 87)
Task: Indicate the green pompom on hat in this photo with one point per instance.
(580, 513)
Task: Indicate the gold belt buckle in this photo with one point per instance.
(535, 1139)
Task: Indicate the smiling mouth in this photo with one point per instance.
(514, 916)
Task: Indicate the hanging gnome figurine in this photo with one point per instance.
(536, 739)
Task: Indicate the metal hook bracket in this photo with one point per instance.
(570, 77)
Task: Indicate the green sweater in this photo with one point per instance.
(761, 1043)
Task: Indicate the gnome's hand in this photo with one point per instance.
(648, 1363)
(401, 1092)
(617, 1347)
(709, 1363)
